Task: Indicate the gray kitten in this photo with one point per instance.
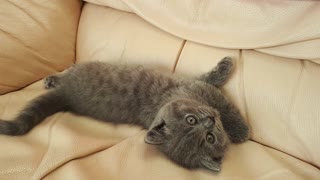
(189, 120)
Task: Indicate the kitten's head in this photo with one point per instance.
(190, 133)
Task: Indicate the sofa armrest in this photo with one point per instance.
(37, 39)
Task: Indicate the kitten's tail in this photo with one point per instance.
(35, 112)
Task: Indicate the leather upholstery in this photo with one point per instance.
(275, 85)
(37, 38)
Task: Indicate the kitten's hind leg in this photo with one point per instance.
(51, 81)
(54, 80)
(219, 75)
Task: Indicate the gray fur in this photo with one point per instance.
(219, 75)
(189, 120)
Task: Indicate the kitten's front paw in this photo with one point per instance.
(225, 65)
(240, 135)
(239, 140)
(50, 82)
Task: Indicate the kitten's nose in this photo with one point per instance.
(208, 123)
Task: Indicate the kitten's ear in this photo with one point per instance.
(212, 164)
(158, 134)
(219, 75)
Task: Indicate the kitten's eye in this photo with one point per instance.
(210, 138)
(191, 120)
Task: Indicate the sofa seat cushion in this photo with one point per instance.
(67, 146)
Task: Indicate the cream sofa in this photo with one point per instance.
(276, 83)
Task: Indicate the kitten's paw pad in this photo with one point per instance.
(50, 82)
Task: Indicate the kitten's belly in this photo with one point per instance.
(106, 105)
(116, 94)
